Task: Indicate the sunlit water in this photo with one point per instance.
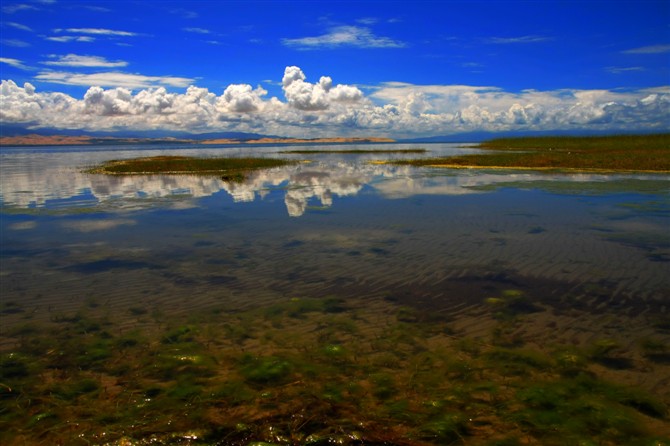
(590, 252)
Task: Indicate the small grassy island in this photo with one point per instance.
(354, 151)
(228, 168)
(649, 153)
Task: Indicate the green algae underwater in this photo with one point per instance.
(309, 371)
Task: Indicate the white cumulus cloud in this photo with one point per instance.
(241, 98)
(323, 108)
(311, 97)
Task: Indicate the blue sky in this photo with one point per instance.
(310, 68)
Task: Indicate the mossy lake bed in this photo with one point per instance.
(330, 302)
(312, 371)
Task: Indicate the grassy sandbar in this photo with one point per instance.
(355, 151)
(650, 153)
(187, 165)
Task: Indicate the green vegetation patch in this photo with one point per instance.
(230, 168)
(594, 188)
(612, 153)
(354, 151)
(307, 371)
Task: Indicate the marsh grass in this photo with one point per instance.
(232, 169)
(615, 153)
(311, 372)
(353, 151)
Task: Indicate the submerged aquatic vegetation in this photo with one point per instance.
(311, 372)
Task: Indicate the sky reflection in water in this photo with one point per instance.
(52, 178)
(336, 220)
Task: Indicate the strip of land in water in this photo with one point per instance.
(229, 168)
(648, 153)
(62, 140)
(353, 151)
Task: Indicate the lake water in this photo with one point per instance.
(368, 270)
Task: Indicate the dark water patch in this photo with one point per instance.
(379, 251)
(99, 266)
(516, 294)
(659, 358)
(179, 279)
(26, 251)
(203, 243)
(645, 241)
(293, 244)
(217, 261)
(11, 307)
(659, 257)
(616, 363)
(220, 279)
(653, 207)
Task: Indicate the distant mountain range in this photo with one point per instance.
(7, 130)
(22, 135)
(45, 138)
(475, 137)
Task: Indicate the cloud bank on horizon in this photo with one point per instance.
(401, 75)
(322, 108)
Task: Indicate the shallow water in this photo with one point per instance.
(588, 253)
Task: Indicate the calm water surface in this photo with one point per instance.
(539, 259)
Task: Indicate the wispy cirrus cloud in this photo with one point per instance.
(98, 32)
(74, 60)
(15, 43)
(185, 13)
(619, 70)
(112, 79)
(11, 9)
(651, 49)
(517, 39)
(96, 8)
(368, 20)
(197, 30)
(19, 26)
(14, 63)
(65, 39)
(343, 36)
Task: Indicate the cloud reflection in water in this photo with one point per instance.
(301, 184)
